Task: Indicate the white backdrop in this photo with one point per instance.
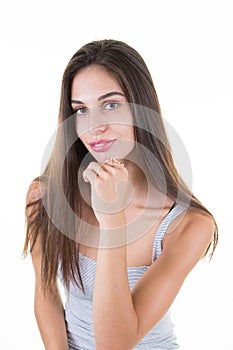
(187, 46)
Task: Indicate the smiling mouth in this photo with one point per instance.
(102, 145)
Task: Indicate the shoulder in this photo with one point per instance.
(190, 234)
(192, 217)
(35, 191)
(34, 194)
(33, 197)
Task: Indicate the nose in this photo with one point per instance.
(96, 122)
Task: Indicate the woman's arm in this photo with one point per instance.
(48, 308)
(114, 316)
(48, 311)
(122, 318)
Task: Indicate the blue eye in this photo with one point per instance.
(80, 111)
(111, 105)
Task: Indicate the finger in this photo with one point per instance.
(89, 175)
(114, 162)
(95, 167)
(112, 169)
(93, 170)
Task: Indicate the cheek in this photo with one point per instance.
(132, 134)
(129, 133)
(129, 128)
(127, 140)
(81, 133)
(81, 129)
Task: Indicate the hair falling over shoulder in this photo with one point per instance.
(45, 199)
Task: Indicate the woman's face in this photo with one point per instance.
(104, 121)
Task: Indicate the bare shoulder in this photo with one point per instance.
(35, 191)
(190, 233)
(33, 240)
(195, 218)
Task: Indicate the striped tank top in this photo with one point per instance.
(78, 306)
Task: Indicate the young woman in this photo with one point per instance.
(110, 215)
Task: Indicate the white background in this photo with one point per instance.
(187, 46)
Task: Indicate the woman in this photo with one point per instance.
(110, 214)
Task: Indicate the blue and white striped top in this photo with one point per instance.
(78, 306)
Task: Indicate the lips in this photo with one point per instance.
(101, 145)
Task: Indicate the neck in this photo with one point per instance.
(145, 194)
(139, 183)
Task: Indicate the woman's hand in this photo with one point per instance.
(110, 189)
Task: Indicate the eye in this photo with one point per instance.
(111, 105)
(80, 111)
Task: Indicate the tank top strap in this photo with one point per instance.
(159, 236)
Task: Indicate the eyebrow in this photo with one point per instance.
(109, 94)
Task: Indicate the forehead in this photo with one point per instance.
(93, 81)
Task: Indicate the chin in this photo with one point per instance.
(103, 156)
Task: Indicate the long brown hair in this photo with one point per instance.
(60, 250)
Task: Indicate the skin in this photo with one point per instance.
(48, 308)
(121, 317)
(99, 117)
